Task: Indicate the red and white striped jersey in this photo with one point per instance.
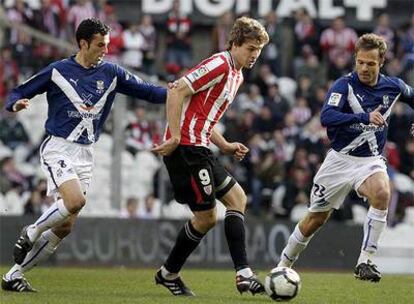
(214, 83)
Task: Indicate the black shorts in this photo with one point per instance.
(197, 177)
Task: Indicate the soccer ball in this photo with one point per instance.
(282, 284)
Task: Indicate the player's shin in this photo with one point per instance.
(235, 235)
(296, 244)
(374, 226)
(246, 280)
(56, 214)
(44, 247)
(187, 241)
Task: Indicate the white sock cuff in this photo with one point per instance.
(14, 273)
(376, 214)
(62, 208)
(51, 237)
(297, 234)
(168, 275)
(245, 272)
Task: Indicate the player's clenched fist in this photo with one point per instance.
(167, 147)
(240, 152)
(236, 149)
(376, 117)
(21, 104)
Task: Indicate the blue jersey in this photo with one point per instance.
(80, 99)
(346, 113)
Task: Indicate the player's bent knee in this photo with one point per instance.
(242, 201)
(206, 222)
(381, 199)
(236, 199)
(75, 203)
(383, 195)
(313, 222)
(210, 222)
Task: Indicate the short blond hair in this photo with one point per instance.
(246, 28)
(371, 42)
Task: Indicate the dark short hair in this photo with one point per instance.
(88, 28)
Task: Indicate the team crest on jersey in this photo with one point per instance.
(100, 86)
(385, 101)
(208, 189)
(334, 99)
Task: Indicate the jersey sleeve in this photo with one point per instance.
(131, 85)
(407, 93)
(206, 74)
(35, 85)
(332, 111)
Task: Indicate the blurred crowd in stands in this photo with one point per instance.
(276, 114)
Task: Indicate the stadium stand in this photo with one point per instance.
(277, 114)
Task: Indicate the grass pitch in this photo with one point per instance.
(121, 285)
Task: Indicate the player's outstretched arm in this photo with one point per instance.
(20, 95)
(131, 85)
(175, 100)
(332, 117)
(407, 93)
(407, 96)
(332, 114)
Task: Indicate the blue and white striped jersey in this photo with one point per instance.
(80, 99)
(346, 113)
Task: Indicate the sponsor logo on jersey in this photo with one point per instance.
(366, 128)
(334, 99)
(84, 115)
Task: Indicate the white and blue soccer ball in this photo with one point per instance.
(282, 284)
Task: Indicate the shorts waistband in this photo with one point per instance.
(64, 140)
(359, 159)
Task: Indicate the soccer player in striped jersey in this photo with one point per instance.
(80, 92)
(355, 113)
(198, 179)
